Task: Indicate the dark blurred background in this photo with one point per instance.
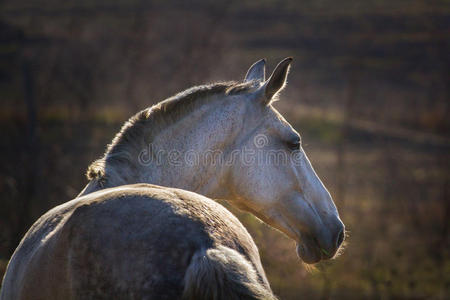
(369, 91)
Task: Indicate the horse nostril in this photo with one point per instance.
(340, 238)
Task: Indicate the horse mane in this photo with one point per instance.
(153, 119)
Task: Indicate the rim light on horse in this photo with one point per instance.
(237, 122)
(225, 141)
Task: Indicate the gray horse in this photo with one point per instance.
(123, 238)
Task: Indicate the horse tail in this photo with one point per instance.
(222, 273)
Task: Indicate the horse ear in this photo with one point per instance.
(257, 71)
(277, 80)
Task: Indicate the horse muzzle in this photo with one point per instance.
(322, 246)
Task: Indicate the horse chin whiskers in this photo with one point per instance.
(310, 268)
(340, 251)
(342, 248)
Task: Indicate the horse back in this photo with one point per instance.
(128, 242)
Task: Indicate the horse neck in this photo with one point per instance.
(207, 128)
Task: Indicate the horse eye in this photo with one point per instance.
(294, 145)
